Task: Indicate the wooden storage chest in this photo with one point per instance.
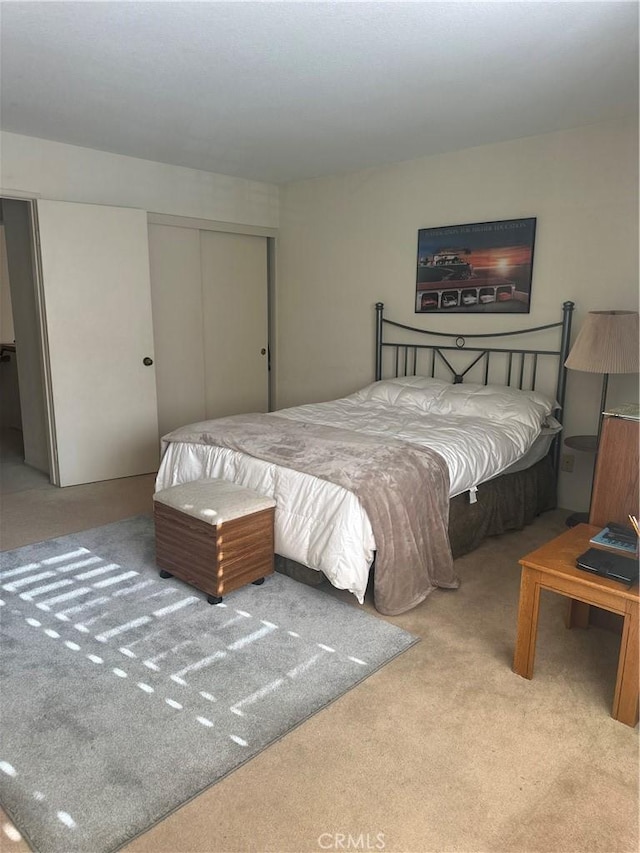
(215, 535)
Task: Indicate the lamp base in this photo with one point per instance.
(577, 518)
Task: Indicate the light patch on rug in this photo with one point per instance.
(125, 695)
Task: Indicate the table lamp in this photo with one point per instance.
(607, 343)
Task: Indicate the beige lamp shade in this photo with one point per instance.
(606, 343)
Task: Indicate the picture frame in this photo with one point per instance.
(481, 267)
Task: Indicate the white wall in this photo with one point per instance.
(348, 241)
(9, 392)
(7, 333)
(61, 172)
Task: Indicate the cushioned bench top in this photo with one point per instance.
(214, 501)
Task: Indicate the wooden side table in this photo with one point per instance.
(553, 567)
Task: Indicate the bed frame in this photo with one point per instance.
(454, 359)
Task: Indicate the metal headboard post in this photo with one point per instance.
(484, 353)
(379, 318)
(561, 386)
(567, 315)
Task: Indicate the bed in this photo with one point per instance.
(456, 439)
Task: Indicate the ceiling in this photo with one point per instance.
(280, 91)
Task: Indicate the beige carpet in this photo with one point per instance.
(445, 749)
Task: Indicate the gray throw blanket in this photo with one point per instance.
(403, 488)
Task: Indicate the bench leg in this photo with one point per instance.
(258, 582)
(214, 599)
(164, 574)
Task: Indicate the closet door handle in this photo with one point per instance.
(147, 361)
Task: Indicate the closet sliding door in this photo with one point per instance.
(234, 302)
(210, 298)
(176, 300)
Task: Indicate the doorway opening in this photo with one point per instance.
(25, 454)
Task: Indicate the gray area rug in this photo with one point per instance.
(124, 695)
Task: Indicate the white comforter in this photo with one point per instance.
(320, 524)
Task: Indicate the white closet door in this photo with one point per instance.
(176, 299)
(95, 273)
(234, 299)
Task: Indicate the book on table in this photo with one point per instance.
(609, 565)
(616, 538)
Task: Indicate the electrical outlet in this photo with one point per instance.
(566, 463)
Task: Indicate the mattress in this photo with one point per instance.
(475, 448)
(323, 526)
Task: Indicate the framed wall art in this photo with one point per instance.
(483, 267)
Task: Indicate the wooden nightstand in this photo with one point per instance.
(553, 567)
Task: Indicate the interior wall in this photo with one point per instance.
(7, 333)
(10, 417)
(31, 167)
(60, 172)
(350, 240)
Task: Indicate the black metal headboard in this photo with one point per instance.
(454, 359)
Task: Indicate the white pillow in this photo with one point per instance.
(411, 391)
(495, 402)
